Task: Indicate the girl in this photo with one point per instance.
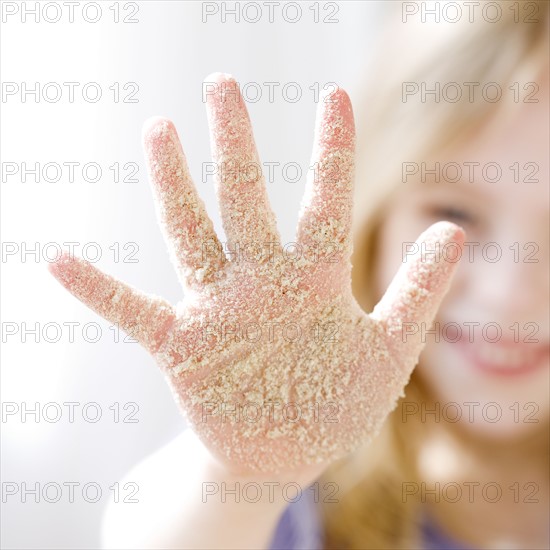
(461, 459)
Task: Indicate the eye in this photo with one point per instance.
(452, 214)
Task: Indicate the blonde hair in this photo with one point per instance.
(370, 512)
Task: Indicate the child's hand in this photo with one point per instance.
(271, 358)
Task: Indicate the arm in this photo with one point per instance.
(181, 504)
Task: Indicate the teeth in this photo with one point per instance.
(501, 357)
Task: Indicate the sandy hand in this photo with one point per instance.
(273, 362)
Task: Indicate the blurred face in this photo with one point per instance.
(491, 364)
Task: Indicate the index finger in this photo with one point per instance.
(326, 212)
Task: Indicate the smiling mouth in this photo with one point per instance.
(505, 358)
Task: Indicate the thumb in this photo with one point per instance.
(410, 303)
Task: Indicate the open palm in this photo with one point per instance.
(270, 357)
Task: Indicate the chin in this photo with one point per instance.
(498, 398)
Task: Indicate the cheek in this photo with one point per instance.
(481, 404)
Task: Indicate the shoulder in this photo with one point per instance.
(300, 525)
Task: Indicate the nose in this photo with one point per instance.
(514, 286)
